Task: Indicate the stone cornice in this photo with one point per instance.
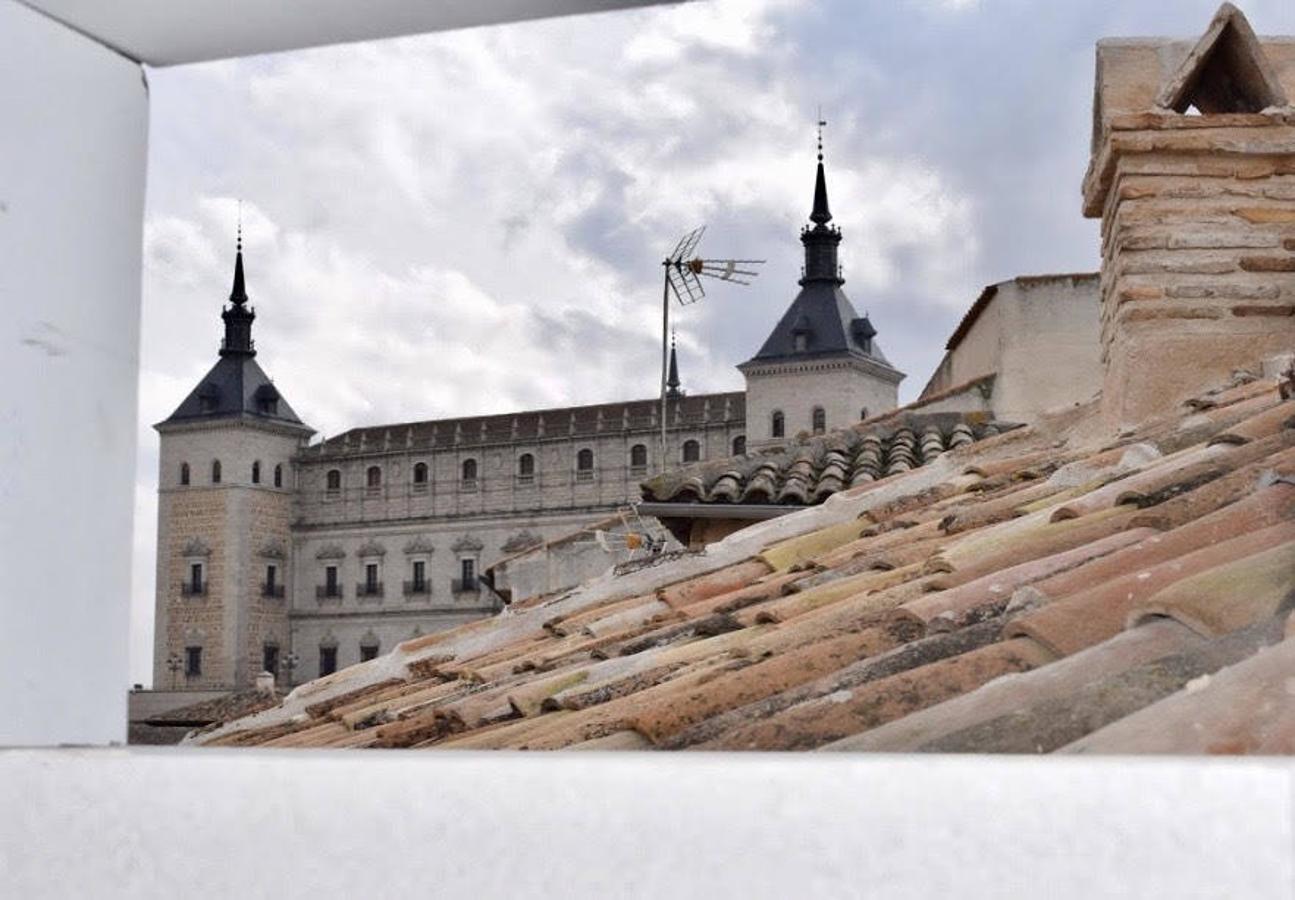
(824, 364)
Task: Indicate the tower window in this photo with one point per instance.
(192, 662)
(278, 475)
(638, 456)
(256, 472)
(373, 479)
(739, 445)
(467, 575)
(469, 469)
(333, 480)
(327, 660)
(195, 578)
(420, 473)
(272, 586)
(691, 451)
(585, 465)
(818, 420)
(777, 424)
(419, 583)
(270, 659)
(331, 588)
(526, 466)
(184, 473)
(215, 471)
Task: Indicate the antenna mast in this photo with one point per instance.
(682, 271)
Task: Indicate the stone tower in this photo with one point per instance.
(821, 366)
(225, 492)
(1193, 177)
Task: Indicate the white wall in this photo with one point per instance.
(72, 160)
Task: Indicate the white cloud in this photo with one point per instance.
(472, 222)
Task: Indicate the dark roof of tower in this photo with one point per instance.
(235, 386)
(821, 321)
(831, 326)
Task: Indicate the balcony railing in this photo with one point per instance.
(328, 592)
(468, 485)
(364, 589)
(190, 589)
(275, 591)
(465, 585)
(525, 480)
(584, 475)
(417, 588)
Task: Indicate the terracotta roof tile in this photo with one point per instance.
(937, 609)
(1246, 708)
(1100, 612)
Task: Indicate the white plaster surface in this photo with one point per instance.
(72, 159)
(163, 823)
(164, 32)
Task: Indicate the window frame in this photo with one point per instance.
(777, 424)
(690, 451)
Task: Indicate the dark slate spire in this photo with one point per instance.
(238, 316)
(821, 241)
(821, 214)
(672, 383)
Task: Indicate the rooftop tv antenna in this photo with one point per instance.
(683, 271)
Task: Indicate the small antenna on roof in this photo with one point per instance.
(682, 269)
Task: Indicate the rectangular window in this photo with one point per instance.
(371, 578)
(368, 652)
(468, 569)
(271, 579)
(330, 581)
(327, 660)
(420, 576)
(195, 578)
(192, 662)
(270, 659)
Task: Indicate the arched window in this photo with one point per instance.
(184, 473)
(256, 471)
(373, 479)
(278, 475)
(818, 420)
(638, 456)
(585, 465)
(691, 451)
(777, 425)
(333, 481)
(469, 470)
(739, 445)
(526, 466)
(215, 471)
(420, 473)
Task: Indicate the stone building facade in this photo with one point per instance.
(277, 554)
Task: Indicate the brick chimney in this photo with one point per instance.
(1193, 176)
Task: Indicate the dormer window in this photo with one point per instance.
(208, 398)
(267, 400)
(800, 342)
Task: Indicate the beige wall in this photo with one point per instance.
(1040, 336)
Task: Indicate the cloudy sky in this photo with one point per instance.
(473, 222)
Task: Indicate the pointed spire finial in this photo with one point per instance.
(821, 214)
(238, 294)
